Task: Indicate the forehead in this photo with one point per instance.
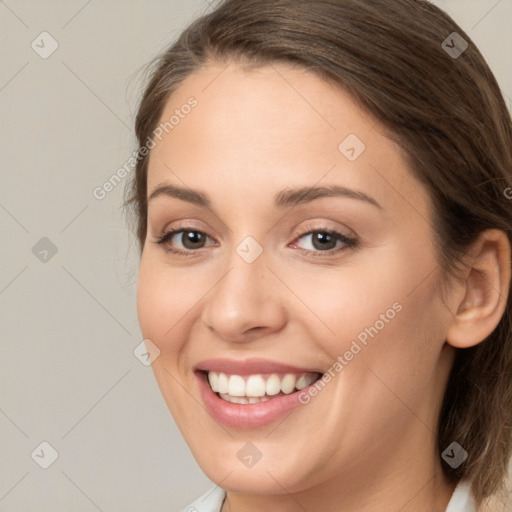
(278, 102)
(273, 126)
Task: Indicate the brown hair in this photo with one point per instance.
(445, 111)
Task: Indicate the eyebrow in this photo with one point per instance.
(185, 194)
(293, 197)
(285, 198)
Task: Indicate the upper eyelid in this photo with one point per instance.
(302, 232)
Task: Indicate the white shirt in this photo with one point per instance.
(461, 501)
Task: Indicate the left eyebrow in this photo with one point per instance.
(292, 197)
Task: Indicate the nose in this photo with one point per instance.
(245, 304)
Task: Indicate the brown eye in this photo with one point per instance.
(192, 239)
(324, 241)
(184, 241)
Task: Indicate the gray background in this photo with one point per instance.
(68, 374)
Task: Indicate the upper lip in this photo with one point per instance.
(249, 367)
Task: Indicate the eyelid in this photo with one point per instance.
(185, 226)
(350, 242)
(163, 238)
(323, 225)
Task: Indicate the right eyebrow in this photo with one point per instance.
(185, 194)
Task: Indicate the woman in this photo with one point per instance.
(322, 210)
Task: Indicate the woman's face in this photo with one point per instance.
(305, 249)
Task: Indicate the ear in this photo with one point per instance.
(482, 296)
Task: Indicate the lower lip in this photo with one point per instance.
(245, 415)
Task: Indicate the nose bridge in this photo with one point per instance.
(244, 297)
(246, 264)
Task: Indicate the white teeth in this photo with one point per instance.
(222, 383)
(236, 385)
(273, 386)
(288, 383)
(243, 399)
(257, 388)
(213, 379)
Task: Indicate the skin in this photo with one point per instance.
(366, 442)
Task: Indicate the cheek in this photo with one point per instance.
(384, 311)
(341, 305)
(165, 301)
(151, 300)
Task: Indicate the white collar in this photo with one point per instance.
(462, 500)
(210, 501)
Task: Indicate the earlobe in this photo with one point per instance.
(485, 290)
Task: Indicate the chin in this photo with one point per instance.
(270, 474)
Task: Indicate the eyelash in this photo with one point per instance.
(349, 242)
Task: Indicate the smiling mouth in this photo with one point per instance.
(253, 389)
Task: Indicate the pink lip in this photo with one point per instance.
(249, 366)
(246, 415)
